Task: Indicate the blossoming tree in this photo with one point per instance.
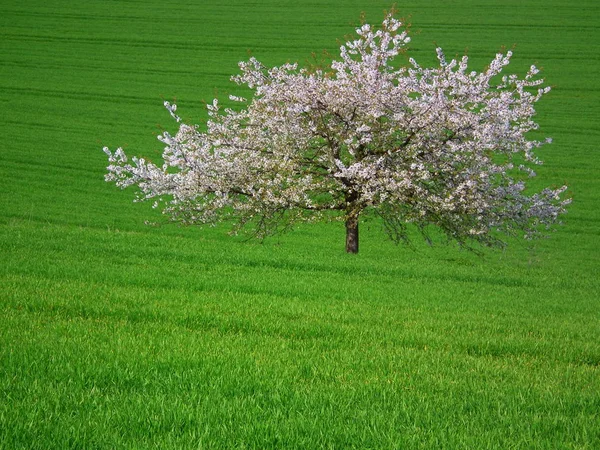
(440, 146)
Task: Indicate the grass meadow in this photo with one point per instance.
(115, 334)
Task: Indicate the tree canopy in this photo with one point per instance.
(372, 132)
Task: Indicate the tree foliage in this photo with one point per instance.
(442, 146)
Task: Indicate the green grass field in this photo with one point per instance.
(114, 334)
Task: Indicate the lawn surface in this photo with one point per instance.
(114, 334)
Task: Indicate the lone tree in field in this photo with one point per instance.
(439, 146)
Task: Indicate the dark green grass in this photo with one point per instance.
(118, 335)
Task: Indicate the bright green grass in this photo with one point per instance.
(118, 335)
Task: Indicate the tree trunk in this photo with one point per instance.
(352, 234)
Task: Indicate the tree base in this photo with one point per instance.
(352, 235)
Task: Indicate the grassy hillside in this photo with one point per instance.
(114, 334)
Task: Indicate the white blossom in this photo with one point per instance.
(443, 146)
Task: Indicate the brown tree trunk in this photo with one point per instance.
(352, 234)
